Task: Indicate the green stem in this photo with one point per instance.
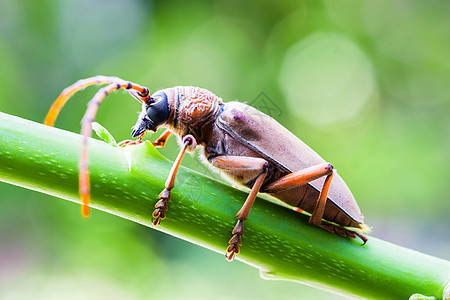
(278, 241)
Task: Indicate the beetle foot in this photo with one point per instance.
(343, 232)
(129, 143)
(161, 207)
(235, 241)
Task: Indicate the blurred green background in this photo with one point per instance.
(364, 83)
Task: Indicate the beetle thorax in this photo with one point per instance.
(197, 105)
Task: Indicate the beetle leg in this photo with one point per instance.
(343, 231)
(239, 163)
(319, 209)
(161, 206)
(295, 179)
(304, 176)
(131, 142)
(160, 142)
(307, 175)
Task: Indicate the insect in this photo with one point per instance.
(243, 143)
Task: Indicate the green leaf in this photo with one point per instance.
(104, 134)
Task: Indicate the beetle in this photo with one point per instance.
(243, 143)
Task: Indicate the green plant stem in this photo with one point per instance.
(278, 241)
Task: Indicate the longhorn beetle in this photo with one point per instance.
(243, 143)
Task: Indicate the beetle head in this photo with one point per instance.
(155, 112)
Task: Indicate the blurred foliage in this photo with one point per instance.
(364, 83)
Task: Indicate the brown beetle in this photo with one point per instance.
(248, 146)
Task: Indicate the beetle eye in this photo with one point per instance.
(158, 111)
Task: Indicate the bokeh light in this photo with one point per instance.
(326, 79)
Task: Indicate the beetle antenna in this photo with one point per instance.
(115, 83)
(78, 86)
(86, 131)
(142, 98)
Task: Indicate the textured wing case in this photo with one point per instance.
(278, 145)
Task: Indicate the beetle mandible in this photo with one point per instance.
(243, 143)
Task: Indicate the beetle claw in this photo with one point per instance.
(343, 232)
(232, 250)
(235, 241)
(130, 142)
(161, 207)
(156, 221)
(362, 237)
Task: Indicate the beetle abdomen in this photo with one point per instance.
(305, 197)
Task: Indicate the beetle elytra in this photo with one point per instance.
(248, 146)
